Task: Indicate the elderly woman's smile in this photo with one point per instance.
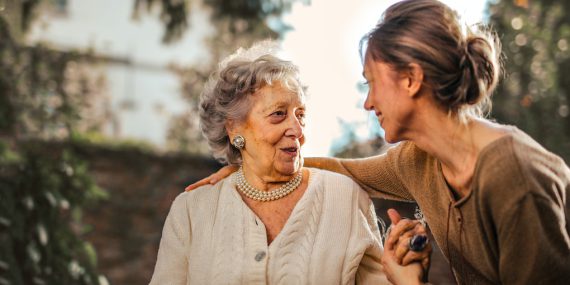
(292, 151)
(274, 131)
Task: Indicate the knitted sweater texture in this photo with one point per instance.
(331, 237)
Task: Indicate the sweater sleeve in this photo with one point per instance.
(379, 175)
(527, 196)
(534, 246)
(172, 263)
(370, 270)
(534, 241)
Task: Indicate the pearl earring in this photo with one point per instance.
(238, 142)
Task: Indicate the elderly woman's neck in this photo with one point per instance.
(266, 180)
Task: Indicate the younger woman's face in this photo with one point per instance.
(388, 98)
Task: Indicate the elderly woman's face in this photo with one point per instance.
(274, 131)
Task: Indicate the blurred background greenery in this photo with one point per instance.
(78, 206)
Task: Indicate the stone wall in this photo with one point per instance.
(127, 226)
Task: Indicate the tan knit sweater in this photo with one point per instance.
(211, 237)
(513, 227)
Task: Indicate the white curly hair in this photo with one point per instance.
(226, 95)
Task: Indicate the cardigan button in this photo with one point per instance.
(259, 256)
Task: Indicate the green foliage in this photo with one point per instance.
(249, 16)
(41, 192)
(173, 15)
(41, 196)
(39, 99)
(28, 11)
(96, 138)
(535, 93)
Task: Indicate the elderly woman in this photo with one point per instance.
(273, 221)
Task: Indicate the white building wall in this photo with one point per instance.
(143, 94)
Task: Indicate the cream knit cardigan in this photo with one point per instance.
(212, 237)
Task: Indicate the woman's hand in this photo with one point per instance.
(397, 246)
(214, 178)
(398, 274)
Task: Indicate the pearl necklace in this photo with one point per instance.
(265, 196)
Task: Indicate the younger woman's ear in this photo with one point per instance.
(415, 79)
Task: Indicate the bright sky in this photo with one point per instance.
(324, 44)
